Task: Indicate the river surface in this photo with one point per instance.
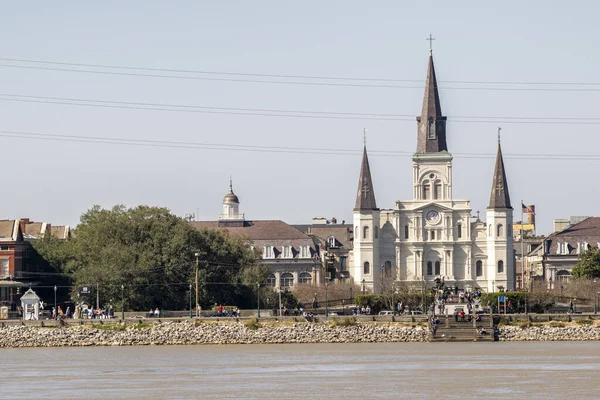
(533, 370)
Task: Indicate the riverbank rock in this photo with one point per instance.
(183, 333)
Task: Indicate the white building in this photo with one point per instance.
(433, 235)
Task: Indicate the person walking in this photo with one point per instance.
(156, 313)
(53, 313)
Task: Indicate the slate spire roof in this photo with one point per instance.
(365, 197)
(499, 197)
(431, 122)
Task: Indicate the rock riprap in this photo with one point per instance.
(182, 333)
(547, 333)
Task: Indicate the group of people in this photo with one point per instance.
(361, 310)
(461, 315)
(105, 312)
(57, 313)
(155, 313)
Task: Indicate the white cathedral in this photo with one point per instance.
(433, 236)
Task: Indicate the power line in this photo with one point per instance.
(332, 84)
(266, 112)
(274, 149)
(319, 77)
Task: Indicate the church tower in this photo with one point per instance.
(500, 266)
(432, 164)
(366, 230)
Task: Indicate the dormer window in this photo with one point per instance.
(268, 251)
(563, 248)
(431, 129)
(304, 253)
(331, 241)
(287, 251)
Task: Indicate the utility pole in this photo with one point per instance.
(191, 301)
(97, 295)
(197, 261)
(123, 302)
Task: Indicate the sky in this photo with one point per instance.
(527, 67)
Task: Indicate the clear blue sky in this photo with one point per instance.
(533, 41)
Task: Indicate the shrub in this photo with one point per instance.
(142, 325)
(584, 321)
(252, 324)
(557, 324)
(523, 324)
(347, 321)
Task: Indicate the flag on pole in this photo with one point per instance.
(525, 209)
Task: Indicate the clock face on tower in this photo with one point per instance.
(433, 216)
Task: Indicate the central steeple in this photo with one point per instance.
(431, 122)
(365, 197)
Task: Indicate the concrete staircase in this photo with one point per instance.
(451, 331)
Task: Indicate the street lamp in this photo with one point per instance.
(122, 302)
(191, 301)
(363, 288)
(326, 301)
(393, 304)
(423, 297)
(258, 299)
(55, 309)
(382, 278)
(344, 306)
(279, 290)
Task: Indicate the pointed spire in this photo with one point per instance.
(365, 198)
(499, 197)
(432, 124)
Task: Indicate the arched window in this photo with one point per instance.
(437, 268)
(366, 268)
(376, 232)
(500, 267)
(479, 268)
(387, 269)
(459, 230)
(270, 282)
(405, 231)
(431, 129)
(437, 190)
(499, 230)
(490, 230)
(305, 278)
(429, 268)
(287, 279)
(426, 190)
(366, 232)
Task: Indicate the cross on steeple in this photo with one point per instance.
(499, 129)
(365, 136)
(477, 214)
(431, 39)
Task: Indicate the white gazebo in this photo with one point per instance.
(31, 305)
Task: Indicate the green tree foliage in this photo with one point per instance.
(150, 252)
(588, 264)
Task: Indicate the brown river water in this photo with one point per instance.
(468, 371)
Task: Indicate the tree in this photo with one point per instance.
(588, 264)
(151, 252)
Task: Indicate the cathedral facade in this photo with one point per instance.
(433, 237)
